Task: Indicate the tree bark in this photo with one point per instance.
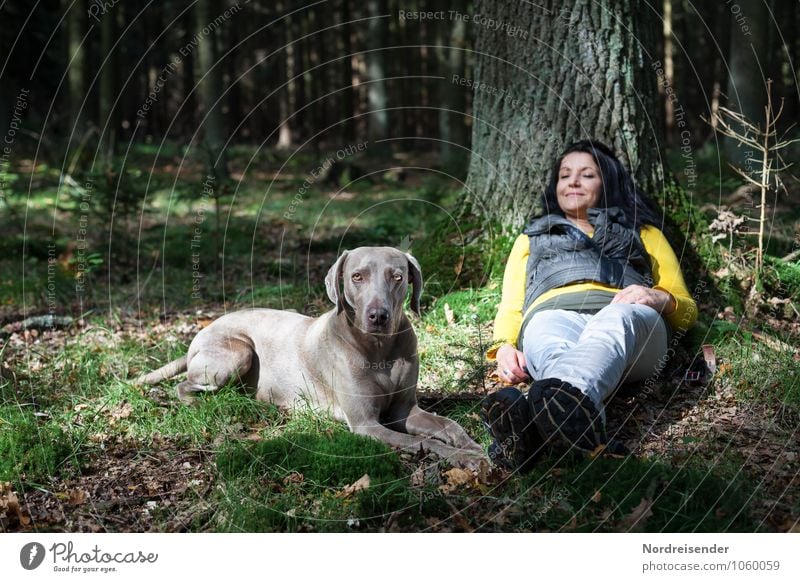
(286, 105)
(347, 101)
(377, 93)
(748, 64)
(451, 54)
(108, 123)
(560, 72)
(209, 84)
(76, 57)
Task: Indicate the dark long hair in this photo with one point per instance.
(618, 187)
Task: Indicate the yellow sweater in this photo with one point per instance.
(666, 275)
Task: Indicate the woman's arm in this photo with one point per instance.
(509, 311)
(667, 276)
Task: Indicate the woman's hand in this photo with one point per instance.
(659, 300)
(511, 365)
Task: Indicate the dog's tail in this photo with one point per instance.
(174, 368)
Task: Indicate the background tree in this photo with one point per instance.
(451, 53)
(76, 51)
(209, 85)
(377, 96)
(553, 65)
(750, 67)
(576, 69)
(107, 121)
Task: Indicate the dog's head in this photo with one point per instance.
(370, 284)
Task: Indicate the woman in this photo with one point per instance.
(591, 292)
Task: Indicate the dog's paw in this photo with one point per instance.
(471, 460)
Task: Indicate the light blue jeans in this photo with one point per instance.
(596, 352)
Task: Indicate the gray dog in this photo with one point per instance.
(358, 361)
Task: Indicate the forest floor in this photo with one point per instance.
(84, 450)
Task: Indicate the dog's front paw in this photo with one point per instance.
(472, 461)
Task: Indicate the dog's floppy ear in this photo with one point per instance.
(415, 275)
(332, 283)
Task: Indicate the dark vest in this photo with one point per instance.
(562, 254)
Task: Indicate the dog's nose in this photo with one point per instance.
(378, 316)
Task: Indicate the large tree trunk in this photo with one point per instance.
(571, 70)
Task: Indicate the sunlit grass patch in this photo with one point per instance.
(762, 369)
(297, 482)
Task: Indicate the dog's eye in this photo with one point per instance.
(356, 277)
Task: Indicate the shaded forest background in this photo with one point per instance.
(313, 75)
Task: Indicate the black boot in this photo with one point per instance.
(517, 443)
(565, 416)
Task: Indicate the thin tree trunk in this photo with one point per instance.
(377, 92)
(286, 72)
(749, 21)
(209, 82)
(451, 40)
(189, 65)
(300, 115)
(108, 123)
(347, 110)
(669, 73)
(76, 57)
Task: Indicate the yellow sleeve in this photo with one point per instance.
(509, 311)
(667, 276)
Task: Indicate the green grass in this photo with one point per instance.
(759, 372)
(32, 451)
(279, 472)
(603, 495)
(294, 483)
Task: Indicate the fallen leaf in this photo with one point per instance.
(417, 478)
(9, 504)
(448, 314)
(293, 477)
(635, 520)
(724, 369)
(360, 485)
(459, 265)
(455, 478)
(596, 497)
(459, 520)
(124, 410)
(77, 497)
(571, 526)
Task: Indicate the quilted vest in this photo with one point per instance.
(562, 254)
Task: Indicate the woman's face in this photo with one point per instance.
(579, 185)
